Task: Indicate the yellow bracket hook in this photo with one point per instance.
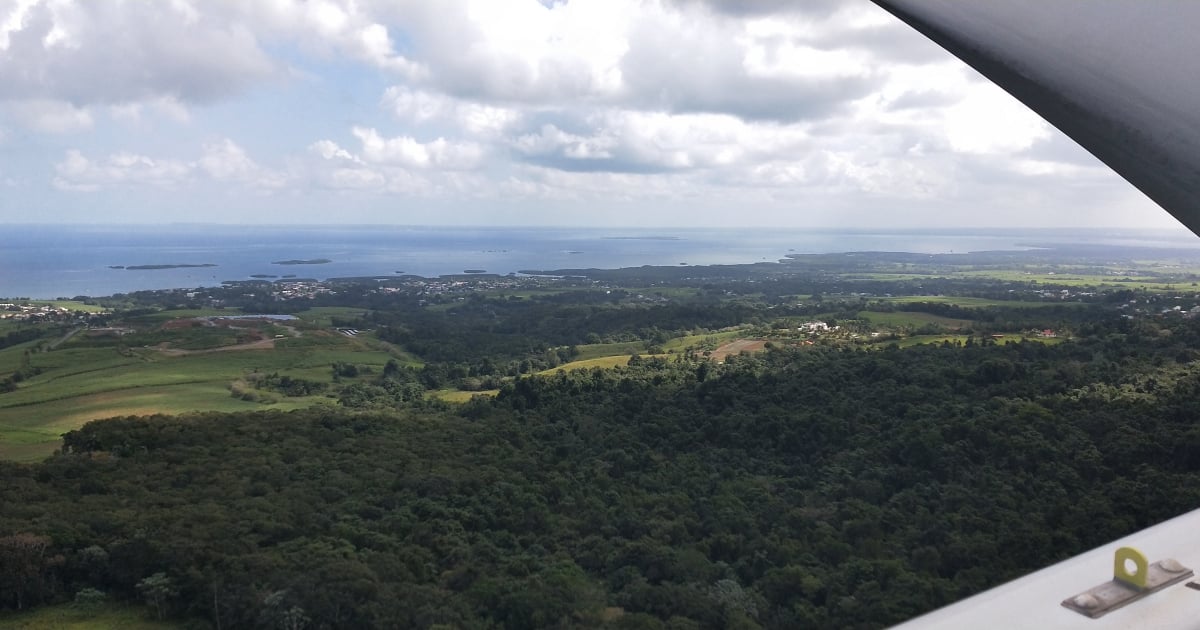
(1121, 560)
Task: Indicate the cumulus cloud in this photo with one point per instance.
(771, 105)
(50, 116)
(421, 107)
(329, 27)
(222, 161)
(989, 121)
(668, 57)
(165, 106)
(67, 51)
(409, 152)
(226, 161)
(653, 142)
(80, 173)
(744, 8)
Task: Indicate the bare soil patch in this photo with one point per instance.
(738, 346)
(262, 344)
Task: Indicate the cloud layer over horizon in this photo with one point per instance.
(498, 112)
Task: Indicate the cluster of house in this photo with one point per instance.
(300, 290)
(450, 285)
(34, 312)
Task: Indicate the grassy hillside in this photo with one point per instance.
(186, 370)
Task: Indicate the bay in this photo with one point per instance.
(48, 261)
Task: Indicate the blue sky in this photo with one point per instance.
(518, 112)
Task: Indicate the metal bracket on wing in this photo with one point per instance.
(1133, 579)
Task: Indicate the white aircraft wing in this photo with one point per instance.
(1121, 78)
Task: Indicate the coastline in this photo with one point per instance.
(71, 261)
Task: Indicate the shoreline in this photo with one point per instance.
(76, 266)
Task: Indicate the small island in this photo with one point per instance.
(312, 261)
(474, 271)
(262, 275)
(152, 267)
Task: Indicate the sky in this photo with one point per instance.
(762, 113)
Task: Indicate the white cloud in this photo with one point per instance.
(520, 51)
(77, 172)
(989, 121)
(167, 107)
(51, 116)
(764, 105)
(67, 51)
(331, 28)
(552, 141)
(226, 161)
(633, 141)
(409, 152)
(329, 150)
(222, 161)
(423, 106)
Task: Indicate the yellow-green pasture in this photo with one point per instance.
(587, 364)
(460, 396)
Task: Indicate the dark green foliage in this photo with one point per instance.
(820, 488)
(22, 335)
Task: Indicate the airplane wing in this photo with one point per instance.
(1120, 78)
(1035, 601)
(1117, 76)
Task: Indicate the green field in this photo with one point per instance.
(904, 318)
(70, 617)
(322, 316)
(599, 350)
(973, 302)
(1080, 277)
(917, 340)
(689, 341)
(625, 348)
(71, 305)
(79, 383)
(164, 316)
(587, 364)
(460, 396)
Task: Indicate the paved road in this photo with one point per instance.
(64, 338)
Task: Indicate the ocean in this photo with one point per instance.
(49, 261)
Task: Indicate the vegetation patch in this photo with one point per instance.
(975, 302)
(108, 616)
(460, 396)
(587, 364)
(912, 319)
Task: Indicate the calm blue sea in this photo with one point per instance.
(47, 261)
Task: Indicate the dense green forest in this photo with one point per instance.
(799, 487)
